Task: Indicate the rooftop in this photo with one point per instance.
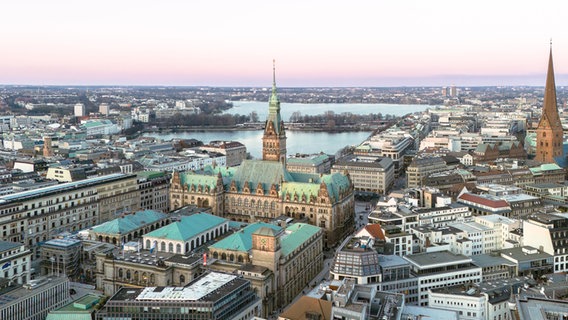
(187, 227)
(79, 309)
(211, 287)
(130, 222)
(64, 243)
(7, 245)
(531, 308)
(30, 194)
(487, 260)
(435, 259)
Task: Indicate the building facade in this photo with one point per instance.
(15, 262)
(34, 300)
(368, 174)
(215, 296)
(39, 215)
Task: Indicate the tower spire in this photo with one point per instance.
(274, 138)
(274, 73)
(549, 131)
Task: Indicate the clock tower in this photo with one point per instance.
(266, 248)
(274, 138)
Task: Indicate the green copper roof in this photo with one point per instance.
(129, 222)
(191, 178)
(274, 107)
(313, 161)
(309, 184)
(151, 174)
(335, 183)
(188, 227)
(259, 171)
(242, 239)
(545, 167)
(296, 235)
(79, 309)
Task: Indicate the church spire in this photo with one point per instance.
(549, 106)
(549, 133)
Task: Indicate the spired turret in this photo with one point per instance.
(274, 138)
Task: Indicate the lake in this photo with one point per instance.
(298, 141)
(286, 109)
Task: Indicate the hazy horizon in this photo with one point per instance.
(315, 43)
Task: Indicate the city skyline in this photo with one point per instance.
(414, 43)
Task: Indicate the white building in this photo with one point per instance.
(15, 262)
(488, 300)
(548, 232)
(34, 300)
(441, 269)
(80, 110)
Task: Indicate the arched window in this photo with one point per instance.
(152, 278)
(181, 279)
(163, 246)
(128, 274)
(240, 259)
(215, 255)
(147, 244)
(178, 248)
(171, 247)
(187, 247)
(232, 257)
(192, 245)
(120, 273)
(223, 256)
(135, 275)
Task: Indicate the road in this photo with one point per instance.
(362, 210)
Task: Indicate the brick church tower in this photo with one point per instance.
(549, 133)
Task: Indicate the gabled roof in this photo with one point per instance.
(306, 306)
(188, 227)
(258, 171)
(127, 223)
(375, 231)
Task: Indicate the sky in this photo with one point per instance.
(315, 43)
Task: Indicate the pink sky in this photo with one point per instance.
(315, 43)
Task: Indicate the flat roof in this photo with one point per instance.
(66, 242)
(487, 260)
(211, 287)
(30, 194)
(433, 259)
(9, 294)
(531, 308)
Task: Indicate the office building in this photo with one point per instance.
(33, 300)
(214, 296)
